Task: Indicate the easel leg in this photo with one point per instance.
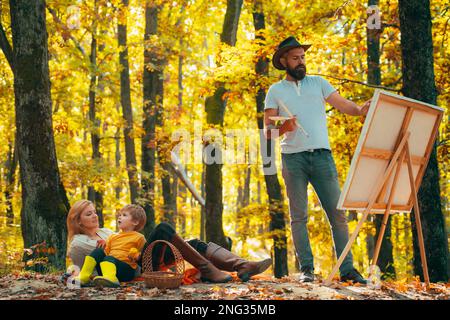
(381, 181)
(387, 212)
(423, 256)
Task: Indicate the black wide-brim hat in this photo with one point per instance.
(284, 46)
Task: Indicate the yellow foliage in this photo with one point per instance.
(190, 35)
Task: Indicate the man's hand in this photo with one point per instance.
(365, 108)
(346, 106)
(288, 125)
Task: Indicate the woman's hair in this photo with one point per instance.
(137, 213)
(73, 218)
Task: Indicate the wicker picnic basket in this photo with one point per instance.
(162, 279)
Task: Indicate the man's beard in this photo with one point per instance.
(297, 73)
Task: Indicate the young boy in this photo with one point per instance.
(118, 259)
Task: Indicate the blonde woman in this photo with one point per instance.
(85, 235)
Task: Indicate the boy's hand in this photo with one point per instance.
(101, 244)
(134, 258)
(133, 254)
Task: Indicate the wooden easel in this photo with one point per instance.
(401, 154)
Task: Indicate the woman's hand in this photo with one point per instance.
(101, 244)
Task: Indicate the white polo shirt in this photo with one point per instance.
(307, 102)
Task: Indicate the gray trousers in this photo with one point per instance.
(319, 169)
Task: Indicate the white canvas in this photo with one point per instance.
(379, 136)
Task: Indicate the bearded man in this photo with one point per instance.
(306, 152)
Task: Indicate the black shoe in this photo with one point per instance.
(354, 276)
(307, 275)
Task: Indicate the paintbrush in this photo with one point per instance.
(280, 103)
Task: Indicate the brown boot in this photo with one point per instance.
(226, 260)
(208, 270)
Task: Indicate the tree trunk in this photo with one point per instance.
(152, 83)
(44, 200)
(174, 187)
(181, 214)
(419, 83)
(11, 166)
(203, 209)
(11, 162)
(373, 51)
(6, 46)
(94, 195)
(258, 199)
(125, 99)
(117, 158)
(277, 221)
(385, 259)
(215, 109)
(180, 189)
(169, 196)
(243, 201)
(246, 195)
(156, 97)
(168, 177)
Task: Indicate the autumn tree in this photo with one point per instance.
(178, 47)
(152, 84)
(11, 160)
(11, 168)
(419, 83)
(125, 100)
(385, 259)
(44, 201)
(215, 110)
(95, 195)
(273, 188)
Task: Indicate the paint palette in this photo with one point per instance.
(278, 118)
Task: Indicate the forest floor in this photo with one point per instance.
(33, 286)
